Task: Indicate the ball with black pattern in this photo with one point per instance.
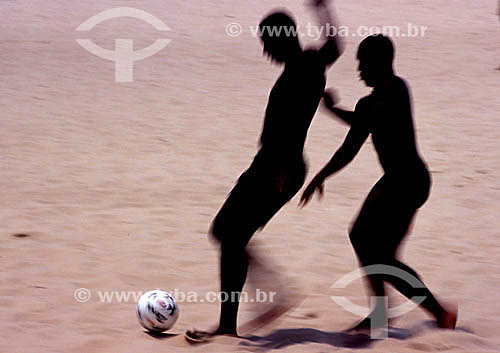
(157, 310)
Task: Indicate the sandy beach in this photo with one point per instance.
(111, 186)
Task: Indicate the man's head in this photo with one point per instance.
(375, 55)
(279, 36)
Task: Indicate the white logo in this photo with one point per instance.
(82, 295)
(124, 54)
(234, 29)
(378, 319)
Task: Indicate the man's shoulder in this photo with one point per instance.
(400, 83)
(364, 103)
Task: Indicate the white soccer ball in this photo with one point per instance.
(157, 310)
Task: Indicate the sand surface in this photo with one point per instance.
(115, 184)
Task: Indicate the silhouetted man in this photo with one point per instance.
(391, 205)
(278, 170)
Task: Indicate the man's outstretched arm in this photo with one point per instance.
(345, 154)
(333, 47)
(329, 101)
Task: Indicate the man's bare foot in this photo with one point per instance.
(272, 314)
(198, 336)
(448, 319)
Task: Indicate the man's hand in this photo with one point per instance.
(333, 46)
(330, 98)
(315, 185)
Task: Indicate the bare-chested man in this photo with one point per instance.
(278, 170)
(391, 205)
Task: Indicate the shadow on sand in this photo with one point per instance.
(161, 335)
(288, 337)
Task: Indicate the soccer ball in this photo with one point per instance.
(157, 310)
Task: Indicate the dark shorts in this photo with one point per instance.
(387, 213)
(257, 196)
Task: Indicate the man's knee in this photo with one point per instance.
(355, 236)
(227, 232)
(218, 230)
(366, 247)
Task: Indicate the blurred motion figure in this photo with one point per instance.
(278, 170)
(390, 207)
